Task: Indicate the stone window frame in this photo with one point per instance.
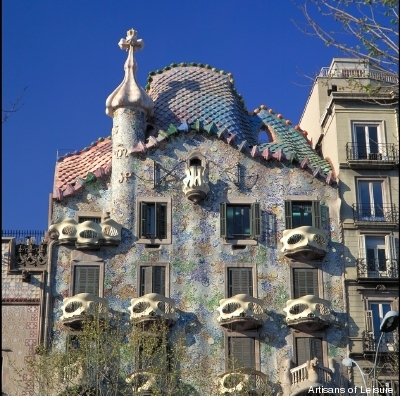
(316, 334)
(244, 334)
(196, 154)
(153, 264)
(99, 264)
(304, 198)
(298, 265)
(152, 241)
(253, 267)
(241, 242)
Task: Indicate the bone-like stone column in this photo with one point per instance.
(129, 105)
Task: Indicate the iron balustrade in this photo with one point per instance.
(370, 341)
(30, 249)
(375, 152)
(375, 212)
(375, 268)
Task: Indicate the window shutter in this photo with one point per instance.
(240, 281)
(361, 247)
(316, 349)
(241, 352)
(161, 220)
(390, 246)
(147, 280)
(86, 280)
(368, 320)
(159, 280)
(288, 215)
(255, 220)
(303, 350)
(222, 219)
(143, 220)
(305, 282)
(316, 214)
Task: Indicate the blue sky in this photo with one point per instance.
(66, 52)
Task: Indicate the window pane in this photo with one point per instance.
(361, 142)
(301, 214)
(364, 193)
(373, 139)
(238, 221)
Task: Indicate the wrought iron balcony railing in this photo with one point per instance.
(370, 341)
(30, 249)
(379, 152)
(375, 268)
(375, 213)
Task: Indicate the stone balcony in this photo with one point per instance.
(244, 381)
(195, 184)
(241, 312)
(152, 308)
(305, 243)
(88, 234)
(308, 313)
(299, 380)
(80, 307)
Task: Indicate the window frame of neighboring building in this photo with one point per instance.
(141, 201)
(253, 282)
(255, 220)
(304, 266)
(87, 264)
(315, 335)
(244, 335)
(365, 243)
(140, 281)
(380, 138)
(315, 204)
(371, 194)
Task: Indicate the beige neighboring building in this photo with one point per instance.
(358, 134)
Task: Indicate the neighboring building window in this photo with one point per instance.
(152, 280)
(370, 194)
(374, 317)
(86, 279)
(302, 213)
(154, 225)
(240, 221)
(240, 281)
(367, 142)
(378, 256)
(305, 282)
(241, 352)
(308, 348)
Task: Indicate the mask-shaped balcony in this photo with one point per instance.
(304, 243)
(308, 313)
(244, 381)
(151, 308)
(143, 382)
(195, 184)
(87, 235)
(241, 312)
(311, 374)
(83, 306)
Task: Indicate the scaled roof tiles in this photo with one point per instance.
(204, 99)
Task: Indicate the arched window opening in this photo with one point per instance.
(264, 135)
(194, 162)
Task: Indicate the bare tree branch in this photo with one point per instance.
(373, 23)
(15, 106)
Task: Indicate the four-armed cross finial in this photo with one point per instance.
(131, 41)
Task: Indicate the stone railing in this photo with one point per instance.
(308, 308)
(243, 380)
(241, 307)
(87, 234)
(153, 306)
(81, 306)
(304, 242)
(312, 372)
